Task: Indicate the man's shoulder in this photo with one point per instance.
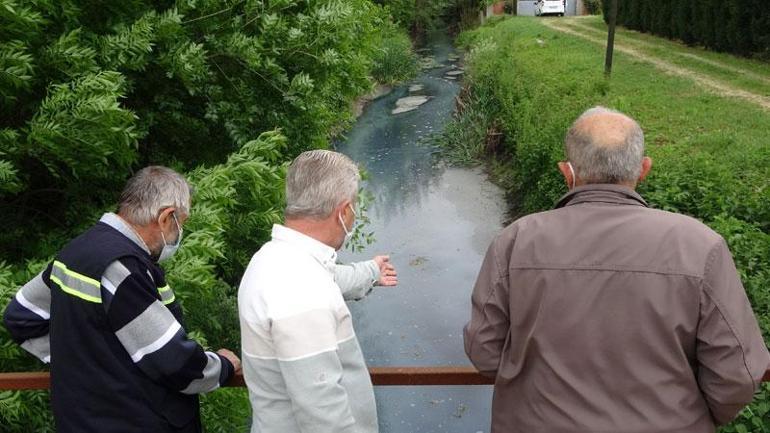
(684, 223)
(662, 240)
(277, 266)
(638, 216)
(278, 257)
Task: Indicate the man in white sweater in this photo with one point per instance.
(301, 359)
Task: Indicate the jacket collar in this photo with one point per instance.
(324, 254)
(118, 224)
(602, 193)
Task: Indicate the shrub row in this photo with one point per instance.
(736, 26)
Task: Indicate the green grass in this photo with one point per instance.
(747, 74)
(711, 153)
(753, 65)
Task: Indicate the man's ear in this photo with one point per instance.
(340, 210)
(566, 172)
(646, 167)
(165, 217)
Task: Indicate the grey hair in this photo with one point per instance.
(317, 182)
(594, 163)
(151, 190)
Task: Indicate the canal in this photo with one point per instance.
(435, 221)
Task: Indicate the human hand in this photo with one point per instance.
(388, 274)
(230, 356)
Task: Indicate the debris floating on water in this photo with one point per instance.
(409, 103)
(414, 88)
(429, 63)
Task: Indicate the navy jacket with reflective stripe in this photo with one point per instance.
(95, 386)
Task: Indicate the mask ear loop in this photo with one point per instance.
(572, 171)
(178, 228)
(342, 221)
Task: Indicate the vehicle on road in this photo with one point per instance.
(549, 7)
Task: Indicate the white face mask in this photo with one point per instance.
(169, 250)
(348, 233)
(574, 179)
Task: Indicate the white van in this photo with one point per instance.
(549, 7)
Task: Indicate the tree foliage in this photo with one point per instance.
(226, 91)
(419, 16)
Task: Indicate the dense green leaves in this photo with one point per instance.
(88, 92)
(91, 90)
(737, 26)
(393, 60)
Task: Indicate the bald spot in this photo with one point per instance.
(608, 130)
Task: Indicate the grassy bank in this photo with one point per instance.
(527, 82)
(748, 74)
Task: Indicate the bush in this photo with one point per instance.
(91, 91)
(736, 26)
(711, 157)
(593, 7)
(393, 61)
(419, 16)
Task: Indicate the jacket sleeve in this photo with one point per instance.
(28, 314)
(152, 336)
(489, 326)
(732, 356)
(356, 280)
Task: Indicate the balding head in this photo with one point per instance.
(605, 146)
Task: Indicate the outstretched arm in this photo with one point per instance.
(356, 280)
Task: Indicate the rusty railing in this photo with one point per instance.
(381, 376)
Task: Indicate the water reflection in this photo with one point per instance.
(436, 223)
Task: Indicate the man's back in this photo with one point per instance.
(302, 362)
(90, 363)
(610, 316)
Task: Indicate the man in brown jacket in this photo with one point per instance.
(604, 315)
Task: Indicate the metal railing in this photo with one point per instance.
(381, 376)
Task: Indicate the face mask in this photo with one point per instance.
(169, 250)
(571, 170)
(348, 233)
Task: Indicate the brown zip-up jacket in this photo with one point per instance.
(604, 315)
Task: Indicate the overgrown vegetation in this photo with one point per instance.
(593, 7)
(528, 83)
(226, 91)
(393, 61)
(419, 16)
(736, 26)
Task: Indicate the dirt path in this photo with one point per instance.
(577, 22)
(704, 81)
